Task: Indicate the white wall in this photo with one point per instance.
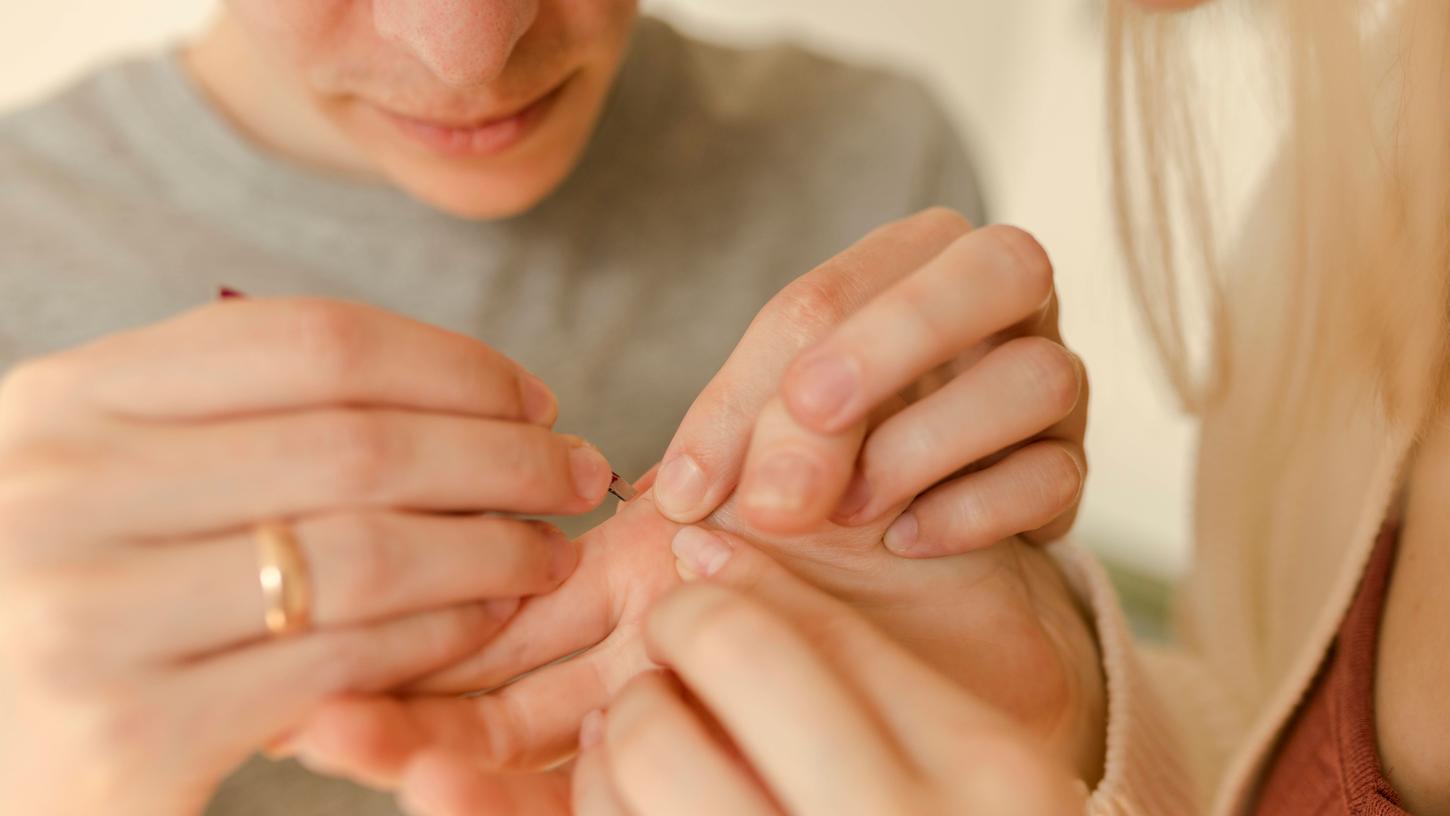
(1024, 75)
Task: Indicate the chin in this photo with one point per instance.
(486, 184)
(482, 194)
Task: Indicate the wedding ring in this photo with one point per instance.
(283, 575)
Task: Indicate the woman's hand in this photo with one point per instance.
(923, 364)
(778, 700)
(1000, 622)
(134, 659)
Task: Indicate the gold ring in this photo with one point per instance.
(283, 574)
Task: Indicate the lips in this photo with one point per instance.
(476, 136)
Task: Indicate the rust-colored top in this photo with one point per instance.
(1328, 761)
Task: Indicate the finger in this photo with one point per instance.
(874, 664)
(794, 477)
(703, 462)
(524, 726)
(178, 480)
(261, 355)
(663, 760)
(1017, 391)
(1028, 490)
(361, 567)
(443, 784)
(933, 721)
(594, 793)
(304, 670)
(578, 615)
(808, 733)
(984, 282)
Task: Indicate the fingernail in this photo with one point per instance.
(821, 388)
(563, 555)
(901, 535)
(591, 729)
(539, 404)
(590, 471)
(783, 482)
(858, 495)
(702, 551)
(501, 608)
(227, 292)
(680, 487)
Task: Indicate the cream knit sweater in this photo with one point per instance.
(1191, 724)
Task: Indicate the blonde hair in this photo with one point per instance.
(1366, 164)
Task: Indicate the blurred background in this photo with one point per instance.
(1025, 80)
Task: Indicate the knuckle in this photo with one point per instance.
(1030, 267)
(327, 337)
(811, 305)
(33, 384)
(354, 451)
(1051, 373)
(26, 379)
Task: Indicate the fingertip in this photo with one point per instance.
(539, 404)
(903, 536)
(702, 553)
(680, 489)
(591, 729)
(590, 472)
(819, 388)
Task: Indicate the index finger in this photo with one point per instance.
(802, 727)
(984, 282)
(702, 464)
(252, 355)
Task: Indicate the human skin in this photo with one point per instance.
(308, 80)
(134, 665)
(421, 94)
(835, 732)
(997, 620)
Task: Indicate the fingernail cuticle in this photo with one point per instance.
(680, 486)
(901, 536)
(704, 552)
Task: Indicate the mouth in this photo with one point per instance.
(482, 136)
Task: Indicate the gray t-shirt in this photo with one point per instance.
(716, 176)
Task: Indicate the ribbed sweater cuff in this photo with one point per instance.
(1144, 768)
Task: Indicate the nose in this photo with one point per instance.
(463, 42)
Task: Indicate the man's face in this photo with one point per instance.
(478, 107)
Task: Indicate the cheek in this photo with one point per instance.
(295, 28)
(597, 25)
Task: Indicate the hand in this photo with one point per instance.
(133, 654)
(779, 700)
(924, 362)
(1000, 622)
(1004, 638)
